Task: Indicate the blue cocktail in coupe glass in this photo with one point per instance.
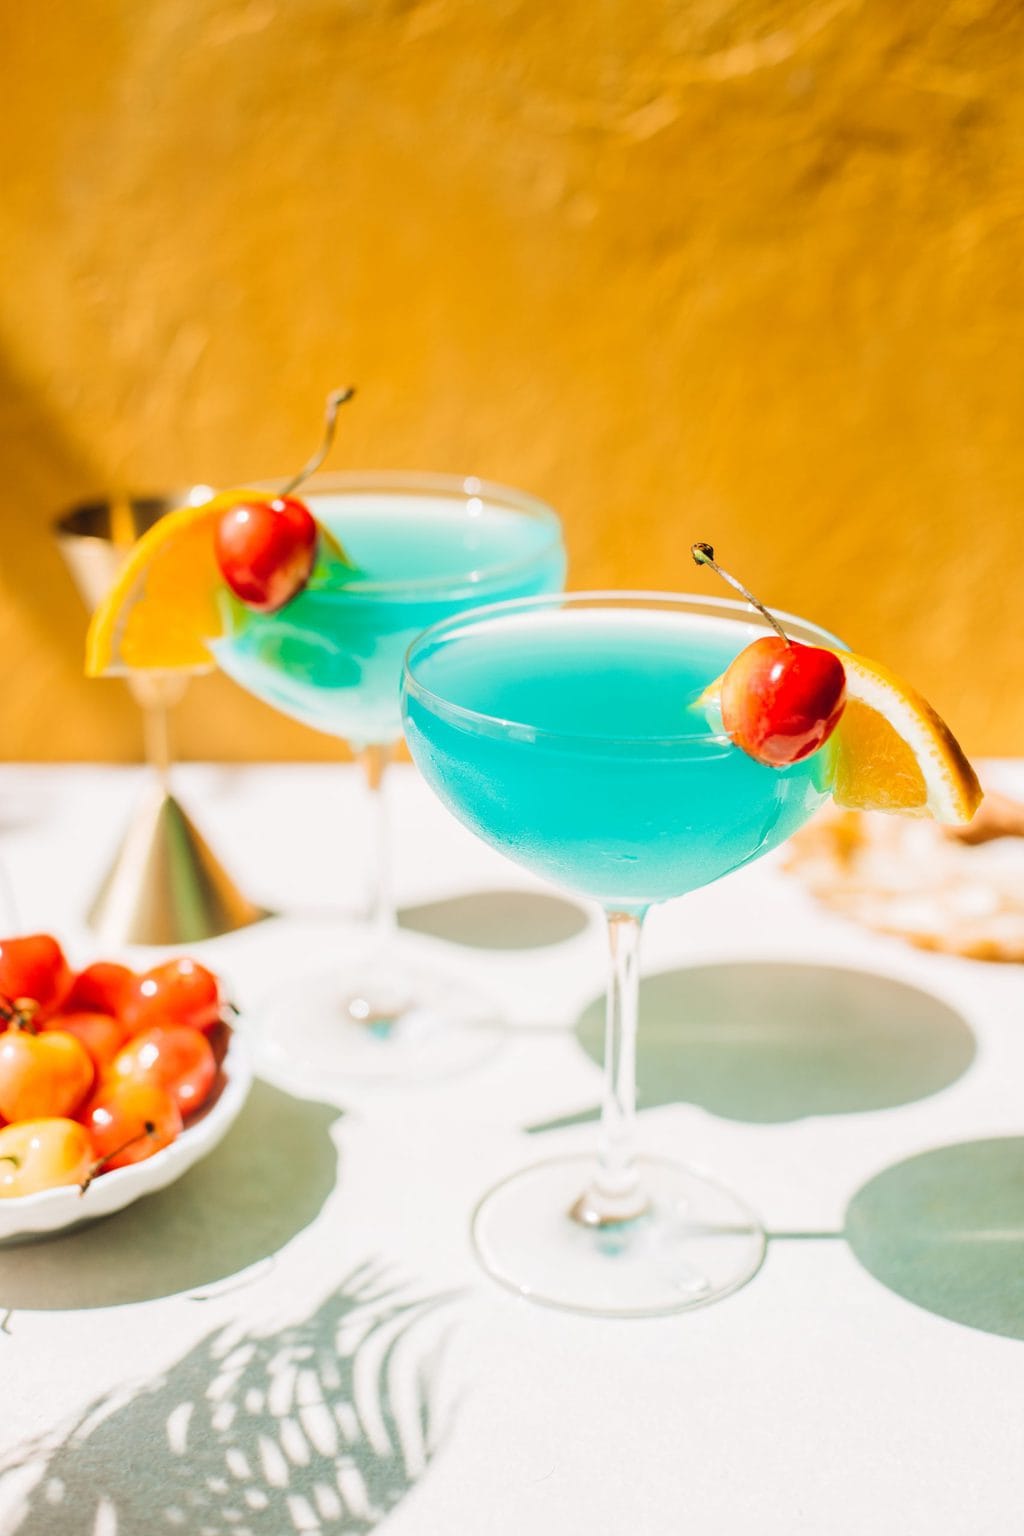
(420, 549)
(571, 733)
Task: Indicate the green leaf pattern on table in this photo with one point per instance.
(324, 1425)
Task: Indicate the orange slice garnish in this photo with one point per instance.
(892, 752)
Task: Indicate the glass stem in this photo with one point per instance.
(156, 735)
(381, 917)
(615, 1192)
(156, 694)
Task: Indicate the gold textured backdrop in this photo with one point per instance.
(741, 270)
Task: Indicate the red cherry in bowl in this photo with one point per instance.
(42, 1075)
(266, 550)
(100, 1033)
(128, 1121)
(173, 1057)
(102, 987)
(179, 991)
(33, 968)
(42, 1153)
(781, 700)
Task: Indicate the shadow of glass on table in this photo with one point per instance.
(945, 1230)
(264, 1184)
(498, 920)
(767, 1042)
(324, 1425)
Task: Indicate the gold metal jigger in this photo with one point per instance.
(165, 885)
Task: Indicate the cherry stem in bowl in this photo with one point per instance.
(703, 554)
(19, 1013)
(335, 400)
(148, 1129)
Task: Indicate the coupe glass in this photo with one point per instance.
(574, 734)
(423, 547)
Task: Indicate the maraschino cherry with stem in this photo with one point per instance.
(266, 549)
(781, 700)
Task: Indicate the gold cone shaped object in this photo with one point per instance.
(165, 885)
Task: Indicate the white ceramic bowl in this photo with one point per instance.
(58, 1210)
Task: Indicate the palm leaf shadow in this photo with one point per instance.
(324, 1425)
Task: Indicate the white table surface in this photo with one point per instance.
(142, 1375)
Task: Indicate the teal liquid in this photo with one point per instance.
(332, 658)
(609, 776)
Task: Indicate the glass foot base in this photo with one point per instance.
(387, 1019)
(695, 1243)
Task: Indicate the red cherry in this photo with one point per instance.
(34, 967)
(781, 700)
(118, 1119)
(178, 992)
(101, 988)
(266, 550)
(42, 1075)
(100, 1033)
(176, 1058)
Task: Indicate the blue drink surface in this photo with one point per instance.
(574, 741)
(332, 657)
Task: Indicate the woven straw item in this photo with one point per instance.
(958, 892)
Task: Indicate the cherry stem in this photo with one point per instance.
(335, 400)
(19, 1013)
(148, 1129)
(703, 554)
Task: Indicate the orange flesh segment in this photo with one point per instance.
(892, 752)
(180, 612)
(871, 762)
